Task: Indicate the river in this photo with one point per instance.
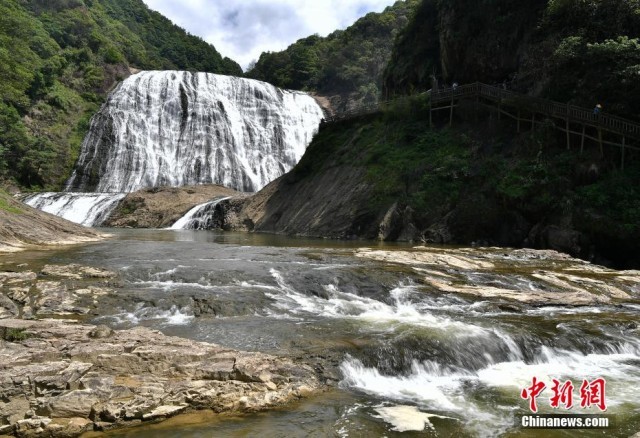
(429, 343)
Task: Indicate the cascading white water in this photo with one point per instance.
(88, 209)
(199, 217)
(170, 128)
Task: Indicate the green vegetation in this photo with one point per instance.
(483, 182)
(577, 51)
(9, 334)
(5, 204)
(596, 55)
(347, 62)
(59, 58)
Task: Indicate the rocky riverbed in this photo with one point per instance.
(59, 377)
(572, 282)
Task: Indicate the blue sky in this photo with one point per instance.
(243, 29)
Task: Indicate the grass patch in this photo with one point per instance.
(6, 206)
(14, 334)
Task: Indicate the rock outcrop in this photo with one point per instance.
(23, 227)
(328, 205)
(62, 378)
(162, 207)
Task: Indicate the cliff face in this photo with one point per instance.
(324, 196)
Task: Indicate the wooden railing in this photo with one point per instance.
(500, 96)
(541, 106)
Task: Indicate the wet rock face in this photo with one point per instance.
(62, 379)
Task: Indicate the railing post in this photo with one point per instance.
(430, 110)
(600, 140)
(568, 133)
(584, 128)
(451, 109)
(533, 121)
(623, 146)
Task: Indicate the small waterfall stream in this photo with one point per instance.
(88, 209)
(199, 217)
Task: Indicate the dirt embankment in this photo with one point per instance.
(23, 227)
(161, 207)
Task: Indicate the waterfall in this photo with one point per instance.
(88, 209)
(170, 128)
(199, 217)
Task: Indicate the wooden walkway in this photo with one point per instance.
(525, 110)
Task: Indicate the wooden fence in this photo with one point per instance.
(523, 109)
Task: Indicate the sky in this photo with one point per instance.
(243, 29)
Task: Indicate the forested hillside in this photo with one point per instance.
(348, 62)
(576, 51)
(58, 59)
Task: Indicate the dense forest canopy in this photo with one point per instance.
(347, 62)
(58, 58)
(577, 51)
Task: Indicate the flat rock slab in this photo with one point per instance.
(57, 378)
(547, 277)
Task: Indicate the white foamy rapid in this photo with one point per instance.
(172, 128)
(173, 316)
(345, 305)
(88, 209)
(438, 388)
(199, 217)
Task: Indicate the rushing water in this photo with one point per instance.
(176, 128)
(88, 209)
(199, 217)
(383, 335)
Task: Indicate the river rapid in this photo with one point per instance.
(411, 342)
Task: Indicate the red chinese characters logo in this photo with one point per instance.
(532, 393)
(562, 394)
(591, 394)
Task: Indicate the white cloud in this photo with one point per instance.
(243, 29)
